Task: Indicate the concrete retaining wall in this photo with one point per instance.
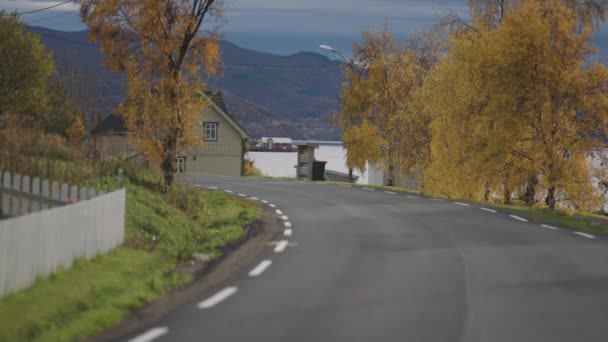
(40, 243)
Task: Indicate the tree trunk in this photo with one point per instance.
(506, 196)
(550, 200)
(350, 175)
(391, 180)
(530, 194)
(486, 194)
(168, 165)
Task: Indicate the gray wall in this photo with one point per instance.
(40, 243)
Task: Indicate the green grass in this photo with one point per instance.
(162, 232)
(584, 222)
(86, 298)
(588, 223)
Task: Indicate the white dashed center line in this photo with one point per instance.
(279, 212)
(390, 192)
(287, 224)
(287, 232)
(284, 218)
(272, 205)
(260, 268)
(150, 335)
(588, 236)
(280, 247)
(462, 204)
(518, 218)
(265, 201)
(549, 227)
(217, 298)
(489, 210)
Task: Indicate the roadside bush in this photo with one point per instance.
(187, 200)
(250, 169)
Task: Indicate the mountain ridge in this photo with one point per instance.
(269, 94)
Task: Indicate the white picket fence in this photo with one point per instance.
(78, 223)
(24, 194)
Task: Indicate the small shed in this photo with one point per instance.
(306, 158)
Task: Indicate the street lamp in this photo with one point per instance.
(351, 65)
(331, 49)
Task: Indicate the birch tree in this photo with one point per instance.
(161, 46)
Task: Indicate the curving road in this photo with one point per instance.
(367, 265)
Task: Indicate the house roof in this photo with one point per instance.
(113, 123)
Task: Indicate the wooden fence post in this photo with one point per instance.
(36, 192)
(46, 194)
(54, 192)
(16, 198)
(6, 197)
(25, 201)
(73, 194)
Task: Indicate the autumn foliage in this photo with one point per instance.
(511, 107)
(163, 47)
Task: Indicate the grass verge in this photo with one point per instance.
(585, 222)
(162, 232)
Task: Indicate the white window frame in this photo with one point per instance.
(208, 129)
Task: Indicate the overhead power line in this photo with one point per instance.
(231, 65)
(39, 10)
(51, 17)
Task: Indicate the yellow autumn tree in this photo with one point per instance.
(161, 46)
(382, 95)
(515, 106)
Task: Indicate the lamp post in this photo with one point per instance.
(351, 65)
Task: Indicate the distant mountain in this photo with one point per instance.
(269, 94)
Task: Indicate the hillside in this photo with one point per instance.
(269, 94)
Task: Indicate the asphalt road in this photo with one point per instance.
(366, 265)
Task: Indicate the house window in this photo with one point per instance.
(210, 131)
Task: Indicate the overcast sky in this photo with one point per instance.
(286, 26)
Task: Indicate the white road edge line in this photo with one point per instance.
(253, 198)
(287, 224)
(280, 247)
(242, 195)
(228, 191)
(346, 186)
(588, 236)
(217, 298)
(489, 210)
(368, 189)
(260, 268)
(265, 201)
(410, 196)
(284, 218)
(150, 335)
(279, 212)
(462, 204)
(390, 193)
(213, 188)
(287, 232)
(549, 227)
(272, 205)
(518, 218)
